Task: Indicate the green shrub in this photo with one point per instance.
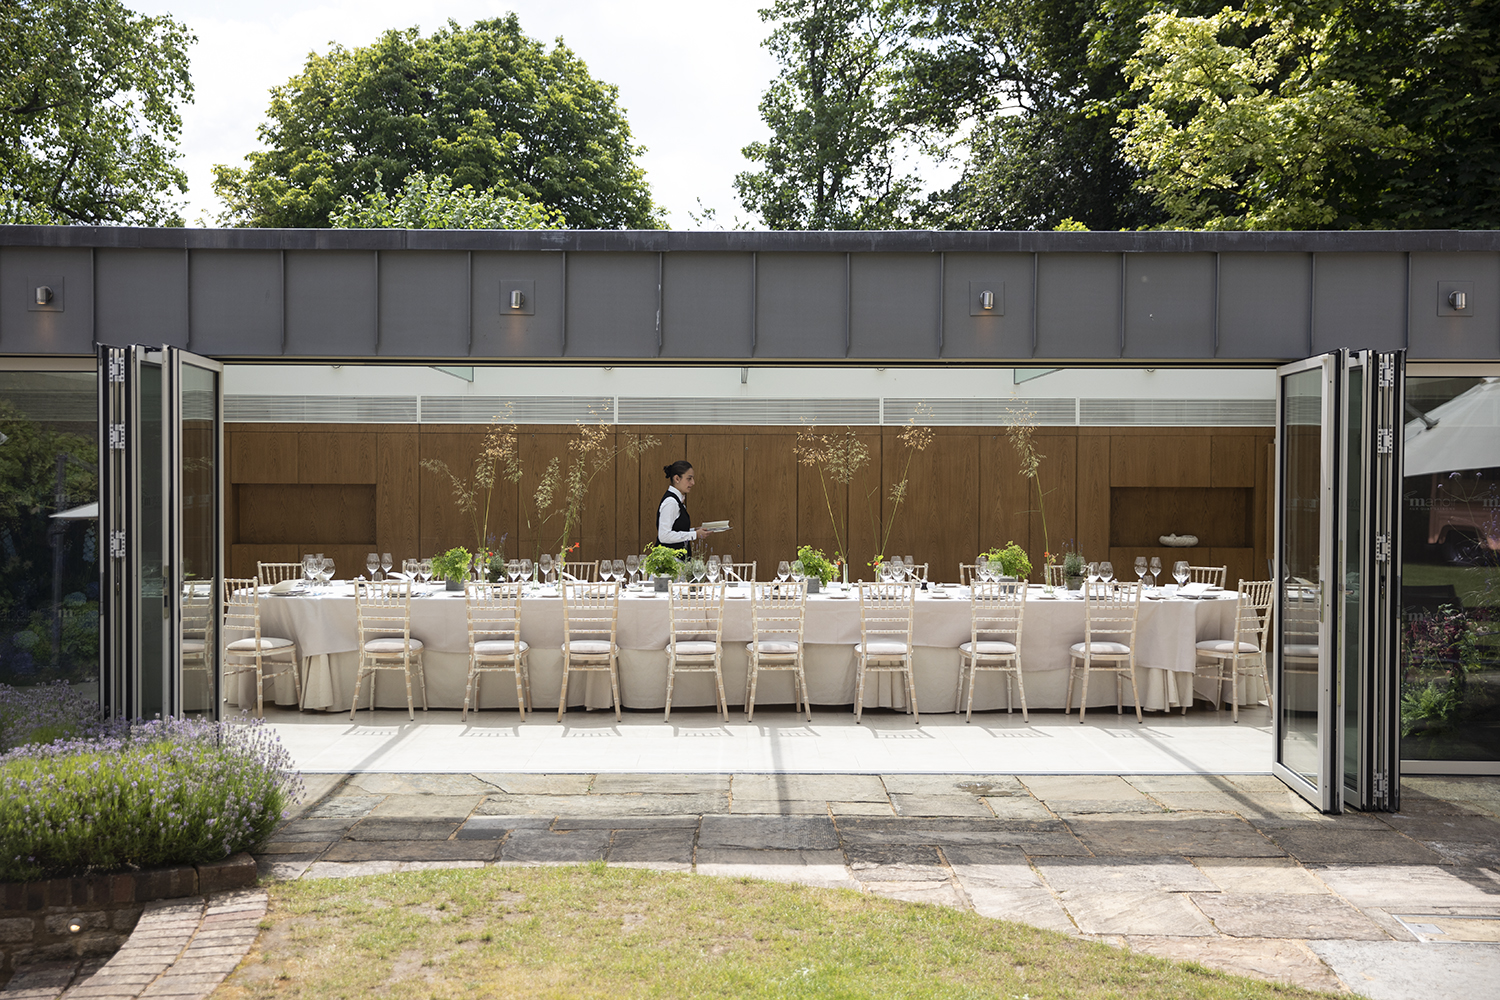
(164, 793)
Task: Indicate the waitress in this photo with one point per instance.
(673, 526)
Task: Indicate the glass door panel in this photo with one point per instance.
(1304, 521)
(195, 536)
(151, 617)
(1352, 571)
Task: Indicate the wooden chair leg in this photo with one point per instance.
(1135, 693)
(562, 693)
(614, 683)
(1021, 689)
(750, 694)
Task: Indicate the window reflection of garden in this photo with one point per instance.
(49, 573)
(1450, 689)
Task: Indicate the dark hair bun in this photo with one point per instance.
(677, 468)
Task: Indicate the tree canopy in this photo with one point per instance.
(89, 119)
(485, 106)
(432, 203)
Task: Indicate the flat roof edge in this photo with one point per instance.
(667, 241)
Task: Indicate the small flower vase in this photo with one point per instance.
(1073, 582)
(661, 584)
(455, 584)
(814, 585)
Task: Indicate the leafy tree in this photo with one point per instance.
(486, 106)
(1248, 136)
(89, 120)
(833, 160)
(431, 203)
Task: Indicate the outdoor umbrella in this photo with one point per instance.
(1463, 433)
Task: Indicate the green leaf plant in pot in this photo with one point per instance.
(1012, 560)
(663, 564)
(817, 567)
(453, 566)
(1073, 569)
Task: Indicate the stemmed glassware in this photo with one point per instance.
(385, 565)
(783, 570)
(372, 563)
(310, 564)
(325, 572)
(526, 570)
(699, 569)
(1155, 569)
(1140, 570)
(713, 569)
(1180, 572)
(619, 568)
(909, 566)
(544, 567)
(606, 570)
(1107, 572)
(981, 568)
(424, 570)
(797, 572)
(633, 566)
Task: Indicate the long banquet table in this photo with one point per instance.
(323, 626)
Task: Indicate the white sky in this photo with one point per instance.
(690, 75)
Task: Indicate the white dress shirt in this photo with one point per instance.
(666, 514)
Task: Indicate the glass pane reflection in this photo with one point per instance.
(1301, 549)
(1450, 597)
(198, 509)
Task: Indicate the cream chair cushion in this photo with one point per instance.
(498, 647)
(1100, 648)
(988, 648)
(392, 645)
(883, 648)
(266, 642)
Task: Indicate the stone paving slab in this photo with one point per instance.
(1140, 911)
(1309, 917)
(1279, 960)
(1334, 845)
(1161, 874)
(823, 869)
(543, 847)
(768, 832)
(602, 805)
(810, 787)
(1412, 886)
(661, 784)
(669, 849)
(412, 850)
(1278, 875)
(496, 827)
(434, 807)
(1401, 970)
(939, 805)
(1185, 834)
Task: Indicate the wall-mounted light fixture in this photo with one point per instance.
(986, 299)
(44, 295)
(1456, 299)
(517, 298)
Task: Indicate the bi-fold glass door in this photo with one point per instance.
(1337, 613)
(161, 417)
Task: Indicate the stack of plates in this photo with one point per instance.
(716, 525)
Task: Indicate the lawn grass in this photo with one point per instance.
(597, 931)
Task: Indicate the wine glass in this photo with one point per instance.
(797, 571)
(619, 568)
(1140, 570)
(372, 563)
(606, 570)
(713, 569)
(981, 567)
(783, 570)
(1093, 572)
(544, 567)
(1180, 572)
(526, 570)
(424, 569)
(909, 566)
(310, 566)
(385, 564)
(699, 569)
(325, 572)
(633, 566)
(1107, 571)
(1155, 569)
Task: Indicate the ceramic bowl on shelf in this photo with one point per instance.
(1178, 541)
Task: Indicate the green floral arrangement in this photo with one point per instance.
(1012, 559)
(453, 565)
(815, 563)
(1073, 563)
(662, 560)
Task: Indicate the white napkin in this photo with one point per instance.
(397, 576)
(1192, 590)
(284, 587)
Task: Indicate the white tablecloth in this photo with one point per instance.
(324, 629)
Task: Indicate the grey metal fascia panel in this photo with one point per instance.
(799, 306)
(611, 305)
(707, 305)
(69, 330)
(235, 303)
(1265, 302)
(503, 336)
(142, 297)
(424, 304)
(1435, 335)
(994, 338)
(1169, 305)
(331, 303)
(1078, 306)
(1359, 302)
(894, 300)
(654, 241)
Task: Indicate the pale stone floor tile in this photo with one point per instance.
(418, 806)
(1139, 912)
(816, 868)
(350, 869)
(1057, 787)
(425, 866)
(951, 784)
(660, 784)
(814, 787)
(939, 805)
(861, 809)
(1161, 874)
(538, 784)
(1036, 907)
(1411, 886)
(1401, 970)
(1271, 959)
(1258, 915)
(420, 784)
(938, 893)
(1279, 875)
(1018, 807)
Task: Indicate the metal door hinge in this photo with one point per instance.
(1387, 371)
(117, 437)
(1385, 441)
(1382, 547)
(116, 368)
(117, 545)
(1380, 785)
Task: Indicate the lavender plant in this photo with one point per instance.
(174, 791)
(47, 712)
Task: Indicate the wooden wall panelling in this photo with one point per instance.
(817, 502)
(398, 494)
(653, 482)
(257, 456)
(627, 474)
(1265, 489)
(1240, 564)
(596, 533)
(243, 558)
(1058, 473)
(719, 495)
(441, 525)
(769, 529)
(336, 456)
(942, 480)
(1232, 460)
(1159, 460)
(867, 492)
(1092, 490)
(306, 513)
(1005, 502)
